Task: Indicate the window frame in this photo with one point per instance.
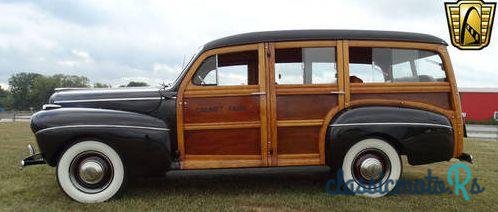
(336, 44)
(436, 48)
(495, 115)
(196, 69)
(189, 76)
(412, 63)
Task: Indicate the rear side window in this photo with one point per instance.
(240, 68)
(368, 65)
(305, 66)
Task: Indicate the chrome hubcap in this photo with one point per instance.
(91, 172)
(371, 169)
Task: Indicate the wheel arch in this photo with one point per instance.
(138, 138)
(407, 139)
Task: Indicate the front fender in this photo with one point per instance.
(142, 141)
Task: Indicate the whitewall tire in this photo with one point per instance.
(370, 166)
(90, 172)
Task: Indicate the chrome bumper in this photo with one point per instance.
(33, 158)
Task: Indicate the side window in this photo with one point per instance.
(240, 68)
(367, 65)
(305, 66)
(430, 66)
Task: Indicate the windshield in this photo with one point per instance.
(184, 69)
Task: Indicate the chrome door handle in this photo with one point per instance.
(259, 93)
(337, 92)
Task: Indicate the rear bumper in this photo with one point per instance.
(33, 158)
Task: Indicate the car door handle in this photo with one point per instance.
(259, 93)
(337, 92)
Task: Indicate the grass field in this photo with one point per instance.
(289, 189)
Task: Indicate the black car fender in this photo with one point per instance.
(425, 137)
(142, 141)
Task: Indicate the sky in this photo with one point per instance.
(118, 41)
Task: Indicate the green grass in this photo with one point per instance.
(290, 189)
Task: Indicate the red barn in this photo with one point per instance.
(479, 104)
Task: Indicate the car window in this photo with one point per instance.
(305, 66)
(240, 68)
(402, 70)
(367, 65)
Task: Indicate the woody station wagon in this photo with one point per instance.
(347, 99)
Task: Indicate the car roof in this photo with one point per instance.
(301, 35)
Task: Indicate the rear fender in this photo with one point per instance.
(423, 136)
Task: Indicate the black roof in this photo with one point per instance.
(299, 35)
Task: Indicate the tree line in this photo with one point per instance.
(30, 91)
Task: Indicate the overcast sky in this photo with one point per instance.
(118, 41)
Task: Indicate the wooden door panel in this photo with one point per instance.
(306, 106)
(298, 140)
(223, 142)
(222, 118)
(222, 109)
(299, 107)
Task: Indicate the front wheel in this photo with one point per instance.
(90, 172)
(372, 168)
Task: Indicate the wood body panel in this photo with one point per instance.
(222, 161)
(287, 124)
(221, 109)
(441, 100)
(298, 140)
(299, 111)
(304, 107)
(223, 142)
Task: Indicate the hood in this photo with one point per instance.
(140, 100)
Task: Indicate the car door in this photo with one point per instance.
(222, 108)
(305, 91)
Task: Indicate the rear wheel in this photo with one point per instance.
(90, 172)
(371, 167)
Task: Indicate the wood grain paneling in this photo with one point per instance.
(298, 140)
(223, 142)
(221, 109)
(299, 107)
(437, 99)
(299, 159)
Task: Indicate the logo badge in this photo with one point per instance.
(470, 23)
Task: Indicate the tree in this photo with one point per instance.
(31, 90)
(43, 88)
(71, 81)
(4, 98)
(21, 89)
(101, 85)
(135, 84)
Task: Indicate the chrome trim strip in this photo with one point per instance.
(103, 126)
(108, 100)
(391, 123)
(50, 106)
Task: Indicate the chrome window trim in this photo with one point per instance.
(391, 123)
(108, 100)
(102, 126)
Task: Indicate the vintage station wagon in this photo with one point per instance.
(348, 99)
